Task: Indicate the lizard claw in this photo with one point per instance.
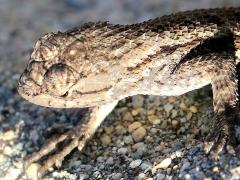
(220, 136)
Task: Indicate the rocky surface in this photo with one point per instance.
(145, 137)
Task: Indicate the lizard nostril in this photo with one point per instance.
(23, 77)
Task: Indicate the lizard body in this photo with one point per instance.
(98, 64)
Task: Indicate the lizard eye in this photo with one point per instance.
(58, 79)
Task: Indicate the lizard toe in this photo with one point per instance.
(218, 145)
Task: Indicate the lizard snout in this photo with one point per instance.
(27, 86)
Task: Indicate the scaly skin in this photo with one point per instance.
(98, 64)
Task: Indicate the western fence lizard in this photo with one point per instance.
(98, 64)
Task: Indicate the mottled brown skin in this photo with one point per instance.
(98, 64)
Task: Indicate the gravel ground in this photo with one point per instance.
(145, 137)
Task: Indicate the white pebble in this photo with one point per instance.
(135, 163)
(162, 165)
(32, 171)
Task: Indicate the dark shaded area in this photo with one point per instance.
(217, 44)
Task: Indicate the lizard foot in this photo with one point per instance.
(76, 137)
(70, 140)
(222, 134)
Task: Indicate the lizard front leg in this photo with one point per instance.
(76, 137)
(224, 85)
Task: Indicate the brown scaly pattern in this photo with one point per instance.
(98, 64)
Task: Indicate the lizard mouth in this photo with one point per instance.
(47, 100)
(28, 93)
(32, 92)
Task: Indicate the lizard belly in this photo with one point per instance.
(172, 87)
(174, 84)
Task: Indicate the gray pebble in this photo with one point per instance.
(117, 176)
(128, 139)
(122, 151)
(168, 108)
(185, 166)
(160, 176)
(145, 165)
(83, 176)
(110, 161)
(137, 101)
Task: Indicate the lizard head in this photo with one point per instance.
(56, 74)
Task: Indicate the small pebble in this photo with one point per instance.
(86, 167)
(64, 175)
(193, 109)
(122, 151)
(110, 161)
(100, 159)
(134, 126)
(135, 163)
(109, 130)
(215, 169)
(117, 176)
(168, 108)
(154, 119)
(230, 150)
(83, 176)
(8, 135)
(97, 175)
(3, 159)
(187, 177)
(76, 163)
(139, 145)
(32, 170)
(145, 165)
(182, 106)
(235, 170)
(188, 117)
(174, 113)
(121, 130)
(160, 176)
(128, 139)
(139, 134)
(206, 178)
(163, 164)
(8, 150)
(175, 167)
(141, 176)
(175, 124)
(127, 116)
(153, 130)
(105, 139)
(185, 166)
(161, 147)
(12, 173)
(171, 99)
(183, 120)
(137, 101)
(135, 112)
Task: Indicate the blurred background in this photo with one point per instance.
(23, 125)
